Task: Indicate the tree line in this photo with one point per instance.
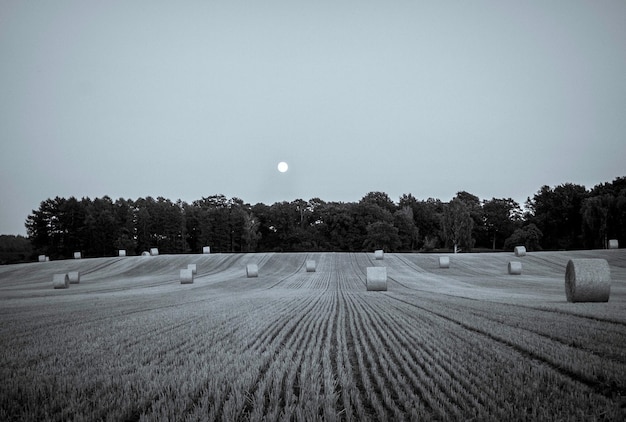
(567, 216)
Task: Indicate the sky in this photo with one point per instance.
(196, 98)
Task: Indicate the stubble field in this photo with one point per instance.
(470, 342)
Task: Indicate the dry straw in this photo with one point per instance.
(310, 266)
(252, 270)
(515, 268)
(206, 249)
(60, 281)
(121, 252)
(74, 277)
(613, 244)
(77, 255)
(154, 252)
(444, 262)
(42, 258)
(378, 254)
(520, 251)
(145, 253)
(587, 280)
(376, 279)
(193, 268)
(186, 276)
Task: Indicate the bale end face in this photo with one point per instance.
(444, 262)
(520, 251)
(252, 270)
(587, 280)
(376, 279)
(310, 266)
(186, 276)
(515, 268)
(60, 281)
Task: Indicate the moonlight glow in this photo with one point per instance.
(282, 167)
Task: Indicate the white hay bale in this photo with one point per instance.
(77, 255)
(154, 252)
(378, 254)
(193, 268)
(42, 258)
(252, 270)
(613, 244)
(121, 252)
(444, 262)
(47, 259)
(376, 279)
(520, 251)
(74, 277)
(587, 280)
(310, 266)
(206, 249)
(186, 276)
(60, 281)
(515, 268)
(145, 253)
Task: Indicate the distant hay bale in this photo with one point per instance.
(515, 268)
(587, 280)
(42, 258)
(206, 249)
(47, 259)
(193, 268)
(252, 270)
(310, 266)
(613, 244)
(186, 276)
(376, 279)
(121, 252)
(520, 251)
(145, 253)
(60, 281)
(154, 252)
(444, 262)
(74, 277)
(378, 254)
(77, 255)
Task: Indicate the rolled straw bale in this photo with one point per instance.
(310, 266)
(74, 277)
(47, 259)
(193, 268)
(186, 276)
(376, 279)
(121, 252)
(378, 254)
(60, 281)
(206, 249)
(154, 252)
(587, 280)
(444, 262)
(42, 258)
(515, 267)
(145, 253)
(613, 244)
(252, 270)
(77, 255)
(520, 251)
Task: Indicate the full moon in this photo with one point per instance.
(282, 167)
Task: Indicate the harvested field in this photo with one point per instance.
(465, 342)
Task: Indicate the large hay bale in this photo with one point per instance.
(613, 244)
(74, 277)
(376, 279)
(515, 268)
(186, 276)
(520, 251)
(121, 252)
(378, 254)
(587, 280)
(310, 266)
(77, 255)
(60, 281)
(42, 258)
(252, 270)
(193, 268)
(47, 258)
(206, 249)
(444, 262)
(154, 252)
(145, 253)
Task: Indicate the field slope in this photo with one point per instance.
(468, 342)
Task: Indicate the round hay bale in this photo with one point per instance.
(154, 252)
(515, 268)
(186, 276)
(520, 251)
(378, 254)
(376, 279)
(42, 258)
(252, 270)
(193, 268)
(587, 280)
(145, 253)
(60, 281)
(206, 249)
(613, 244)
(47, 259)
(444, 262)
(121, 252)
(310, 266)
(74, 277)
(77, 255)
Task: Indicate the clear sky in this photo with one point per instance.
(195, 98)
